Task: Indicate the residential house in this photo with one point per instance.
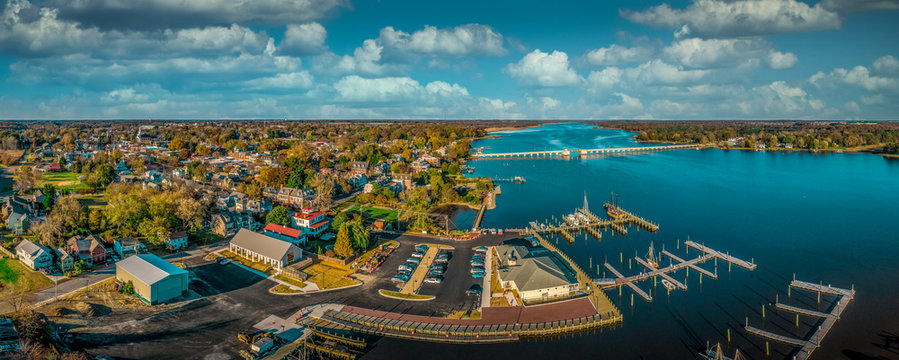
(311, 221)
(87, 248)
(64, 259)
(128, 246)
(175, 240)
(297, 198)
(17, 213)
(227, 223)
(358, 180)
(35, 256)
(360, 167)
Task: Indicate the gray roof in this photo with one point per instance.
(535, 268)
(31, 248)
(149, 268)
(261, 244)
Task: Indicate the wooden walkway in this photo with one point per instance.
(663, 275)
(692, 263)
(822, 289)
(770, 335)
(629, 284)
(801, 311)
(723, 256)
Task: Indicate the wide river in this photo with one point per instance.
(828, 217)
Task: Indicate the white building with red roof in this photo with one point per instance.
(311, 221)
(293, 236)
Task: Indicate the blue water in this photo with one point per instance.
(828, 217)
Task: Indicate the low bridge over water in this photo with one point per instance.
(549, 154)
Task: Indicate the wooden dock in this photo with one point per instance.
(663, 275)
(821, 288)
(629, 284)
(806, 347)
(723, 256)
(636, 220)
(692, 263)
(772, 336)
(801, 311)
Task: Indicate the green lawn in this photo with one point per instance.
(63, 180)
(371, 214)
(8, 274)
(12, 271)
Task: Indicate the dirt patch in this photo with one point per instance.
(95, 305)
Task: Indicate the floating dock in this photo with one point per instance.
(629, 284)
(723, 256)
(665, 276)
(829, 319)
(692, 263)
(801, 311)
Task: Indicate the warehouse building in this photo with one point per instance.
(155, 280)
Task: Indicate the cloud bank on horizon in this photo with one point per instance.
(336, 59)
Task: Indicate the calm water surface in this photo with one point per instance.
(822, 217)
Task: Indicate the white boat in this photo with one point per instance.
(668, 285)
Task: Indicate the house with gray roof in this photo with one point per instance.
(264, 249)
(35, 256)
(535, 272)
(155, 280)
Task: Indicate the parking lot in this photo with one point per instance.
(234, 299)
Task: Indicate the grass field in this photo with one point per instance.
(63, 180)
(8, 274)
(13, 272)
(371, 214)
(290, 281)
(328, 277)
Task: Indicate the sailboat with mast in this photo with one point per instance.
(651, 257)
(612, 209)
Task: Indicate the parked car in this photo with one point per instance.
(418, 254)
(413, 260)
(481, 249)
(474, 289)
(407, 267)
(478, 274)
(434, 279)
(400, 278)
(421, 248)
(475, 269)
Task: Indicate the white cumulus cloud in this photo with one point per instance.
(719, 18)
(544, 69)
(617, 55)
(303, 39)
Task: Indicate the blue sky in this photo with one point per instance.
(336, 59)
